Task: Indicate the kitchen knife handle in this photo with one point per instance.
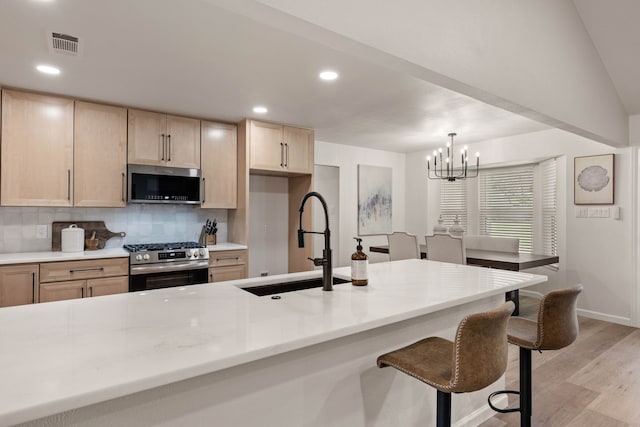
(123, 187)
(204, 189)
(169, 147)
(163, 145)
(281, 154)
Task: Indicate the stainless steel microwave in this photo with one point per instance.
(159, 184)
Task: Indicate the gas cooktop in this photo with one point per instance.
(148, 247)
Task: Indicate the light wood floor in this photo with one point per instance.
(593, 382)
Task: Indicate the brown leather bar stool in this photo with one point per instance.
(556, 327)
(475, 359)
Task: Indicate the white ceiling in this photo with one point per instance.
(193, 58)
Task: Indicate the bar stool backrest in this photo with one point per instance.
(480, 349)
(558, 319)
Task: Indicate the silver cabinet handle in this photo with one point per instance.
(163, 145)
(124, 190)
(68, 184)
(281, 154)
(286, 162)
(169, 147)
(204, 189)
(75, 270)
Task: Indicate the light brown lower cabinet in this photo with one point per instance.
(58, 291)
(227, 265)
(18, 284)
(83, 279)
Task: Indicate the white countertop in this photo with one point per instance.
(68, 354)
(49, 256)
(225, 246)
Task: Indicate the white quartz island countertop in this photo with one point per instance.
(69, 354)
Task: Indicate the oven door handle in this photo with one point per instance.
(168, 267)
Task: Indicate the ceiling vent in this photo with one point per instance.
(63, 43)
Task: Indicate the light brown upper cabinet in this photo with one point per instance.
(219, 159)
(162, 140)
(37, 150)
(282, 150)
(100, 155)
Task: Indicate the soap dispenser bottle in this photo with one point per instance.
(359, 261)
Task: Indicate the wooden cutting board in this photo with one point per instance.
(102, 233)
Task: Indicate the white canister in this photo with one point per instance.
(72, 239)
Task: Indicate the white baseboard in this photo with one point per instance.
(481, 415)
(606, 317)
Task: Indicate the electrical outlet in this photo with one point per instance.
(264, 273)
(42, 231)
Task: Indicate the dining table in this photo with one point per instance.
(513, 261)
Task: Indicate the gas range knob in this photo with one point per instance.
(146, 257)
(193, 253)
(203, 252)
(138, 257)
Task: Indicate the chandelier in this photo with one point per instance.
(446, 169)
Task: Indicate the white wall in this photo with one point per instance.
(597, 252)
(268, 225)
(347, 158)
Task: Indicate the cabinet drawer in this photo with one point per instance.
(89, 269)
(225, 258)
(232, 272)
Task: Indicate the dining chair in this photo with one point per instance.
(492, 243)
(446, 248)
(403, 246)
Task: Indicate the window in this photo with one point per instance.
(549, 208)
(453, 202)
(506, 204)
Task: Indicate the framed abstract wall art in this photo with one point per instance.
(593, 180)
(374, 200)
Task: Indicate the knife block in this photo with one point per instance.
(207, 239)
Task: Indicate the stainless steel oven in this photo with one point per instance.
(164, 265)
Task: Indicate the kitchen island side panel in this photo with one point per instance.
(335, 383)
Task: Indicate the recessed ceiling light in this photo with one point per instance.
(260, 110)
(48, 69)
(328, 75)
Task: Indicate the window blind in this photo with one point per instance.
(453, 201)
(506, 204)
(549, 207)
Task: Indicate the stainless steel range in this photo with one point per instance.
(163, 265)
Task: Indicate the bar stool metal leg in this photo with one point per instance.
(443, 409)
(525, 387)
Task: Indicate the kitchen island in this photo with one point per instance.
(215, 354)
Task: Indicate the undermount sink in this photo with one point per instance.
(297, 285)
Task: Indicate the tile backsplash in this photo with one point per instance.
(143, 224)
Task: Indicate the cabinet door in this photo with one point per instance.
(267, 147)
(219, 165)
(100, 155)
(147, 143)
(37, 150)
(58, 291)
(183, 142)
(108, 286)
(18, 285)
(232, 272)
(298, 145)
